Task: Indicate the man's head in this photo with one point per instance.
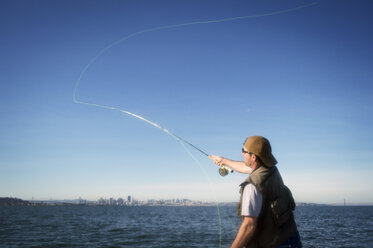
(257, 151)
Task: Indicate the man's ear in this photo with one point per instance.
(255, 157)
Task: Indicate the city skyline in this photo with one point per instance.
(297, 73)
(131, 201)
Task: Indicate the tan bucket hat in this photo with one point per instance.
(261, 147)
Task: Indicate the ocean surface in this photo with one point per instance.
(108, 226)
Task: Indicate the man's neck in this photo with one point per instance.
(255, 166)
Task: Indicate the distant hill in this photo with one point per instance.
(7, 201)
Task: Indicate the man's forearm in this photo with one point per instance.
(238, 166)
(245, 233)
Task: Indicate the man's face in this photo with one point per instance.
(248, 157)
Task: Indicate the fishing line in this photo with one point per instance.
(181, 140)
(223, 170)
(212, 190)
(176, 26)
(210, 185)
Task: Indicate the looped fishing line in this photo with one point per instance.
(181, 140)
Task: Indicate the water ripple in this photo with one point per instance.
(99, 226)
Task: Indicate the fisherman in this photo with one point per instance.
(266, 204)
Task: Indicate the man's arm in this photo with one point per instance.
(238, 166)
(245, 233)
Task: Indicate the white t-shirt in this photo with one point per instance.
(252, 201)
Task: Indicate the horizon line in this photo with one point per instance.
(161, 199)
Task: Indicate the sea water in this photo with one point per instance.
(145, 226)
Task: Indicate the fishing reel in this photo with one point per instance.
(223, 171)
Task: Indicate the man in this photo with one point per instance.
(266, 204)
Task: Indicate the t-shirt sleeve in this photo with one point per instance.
(251, 201)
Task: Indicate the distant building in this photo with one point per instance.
(102, 201)
(112, 201)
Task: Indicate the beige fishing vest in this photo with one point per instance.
(276, 221)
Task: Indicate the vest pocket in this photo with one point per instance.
(282, 207)
(280, 216)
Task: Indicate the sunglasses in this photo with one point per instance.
(243, 151)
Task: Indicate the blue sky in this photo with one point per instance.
(301, 78)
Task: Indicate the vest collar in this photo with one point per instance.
(260, 175)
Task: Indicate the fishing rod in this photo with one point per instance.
(223, 170)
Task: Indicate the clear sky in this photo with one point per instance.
(302, 78)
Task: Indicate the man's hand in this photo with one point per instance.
(238, 166)
(218, 160)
